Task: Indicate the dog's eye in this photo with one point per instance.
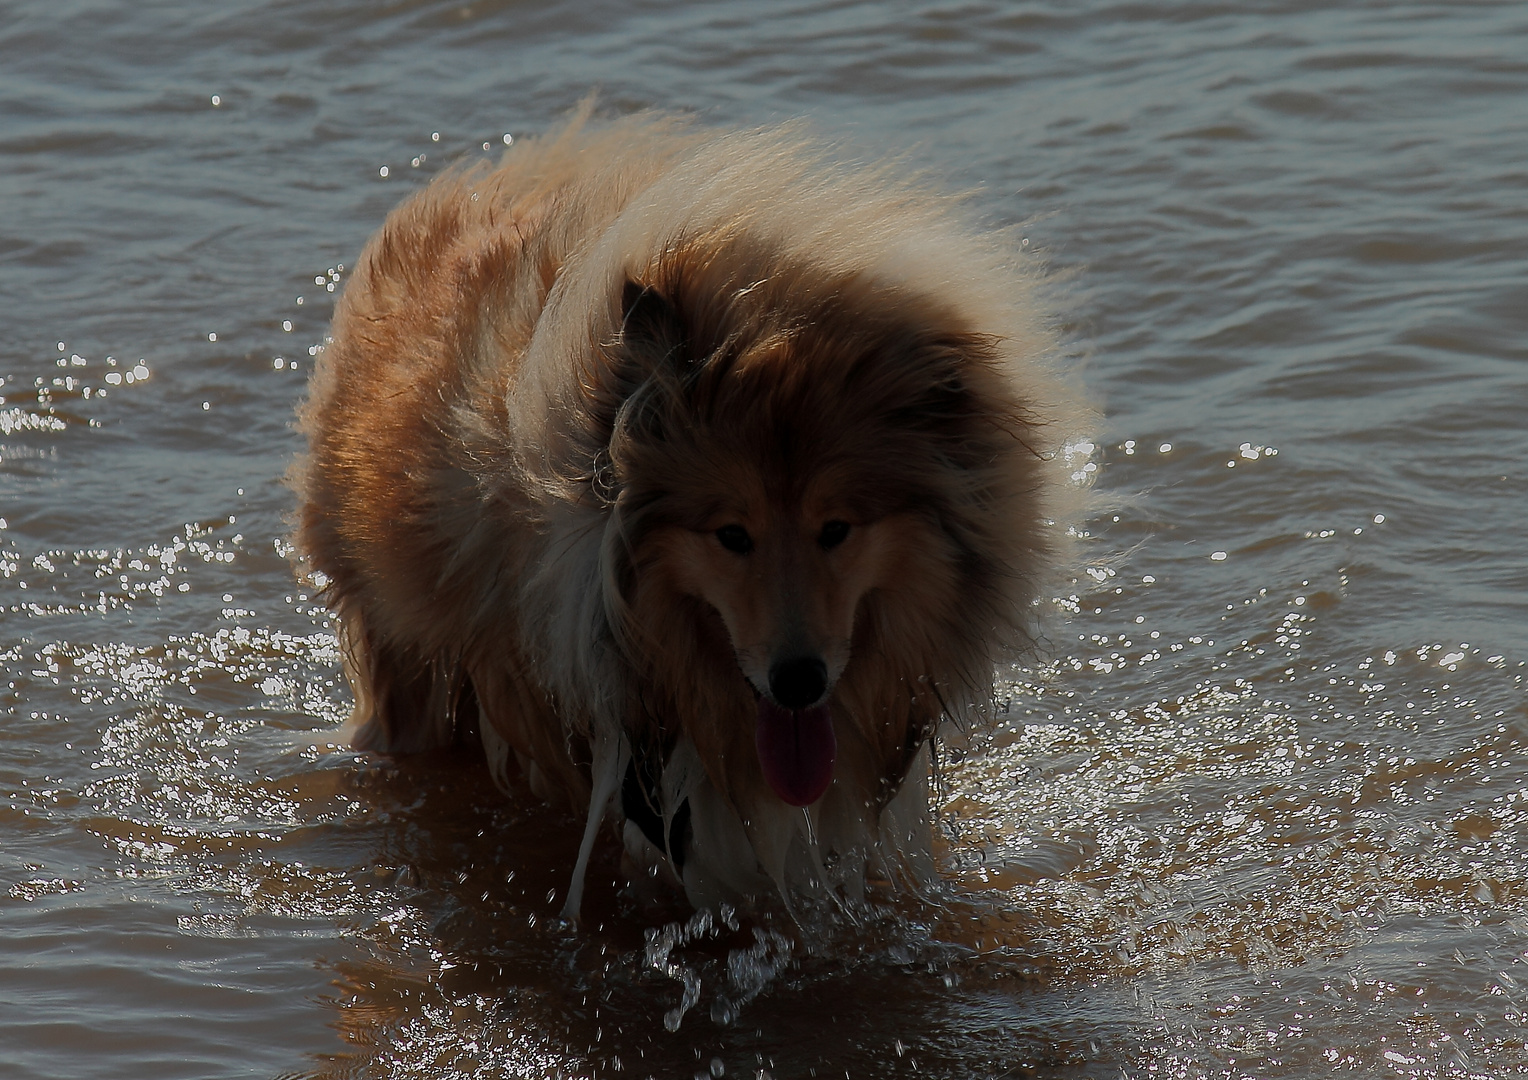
(735, 538)
(833, 533)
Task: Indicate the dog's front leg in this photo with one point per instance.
(611, 753)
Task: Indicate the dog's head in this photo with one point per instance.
(822, 520)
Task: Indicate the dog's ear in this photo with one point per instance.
(652, 331)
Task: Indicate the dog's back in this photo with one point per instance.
(412, 511)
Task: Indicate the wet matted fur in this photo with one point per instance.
(610, 436)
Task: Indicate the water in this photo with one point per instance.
(1261, 809)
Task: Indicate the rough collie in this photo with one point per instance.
(701, 476)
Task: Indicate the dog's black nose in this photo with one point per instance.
(797, 683)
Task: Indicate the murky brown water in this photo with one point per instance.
(1261, 811)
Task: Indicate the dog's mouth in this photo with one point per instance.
(797, 749)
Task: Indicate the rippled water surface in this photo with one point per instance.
(1260, 810)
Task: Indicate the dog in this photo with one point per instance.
(701, 476)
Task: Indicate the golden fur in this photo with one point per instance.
(551, 383)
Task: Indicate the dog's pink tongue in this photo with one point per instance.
(796, 749)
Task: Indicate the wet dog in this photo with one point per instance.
(700, 475)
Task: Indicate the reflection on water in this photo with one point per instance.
(1259, 809)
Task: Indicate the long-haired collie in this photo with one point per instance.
(701, 476)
